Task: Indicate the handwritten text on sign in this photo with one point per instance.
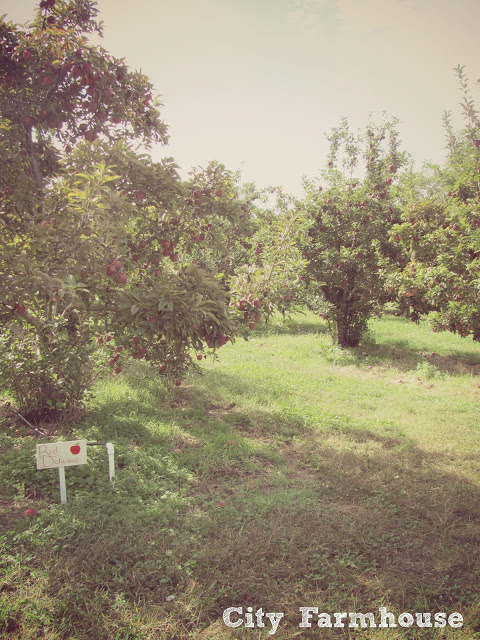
(61, 454)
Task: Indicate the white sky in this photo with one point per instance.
(255, 84)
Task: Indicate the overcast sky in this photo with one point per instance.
(255, 84)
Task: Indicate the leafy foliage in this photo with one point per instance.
(350, 219)
(273, 277)
(440, 230)
(100, 246)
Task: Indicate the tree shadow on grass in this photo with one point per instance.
(401, 356)
(353, 520)
(397, 351)
(353, 530)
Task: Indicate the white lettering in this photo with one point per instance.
(405, 619)
(440, 619)
(249, 618)
(275, 620)
(424, 619)
(259, 615)
(324, 620)
(387, 619)
(226, 616)
(455, 620)
(338, 619)
(363, 620)
(306, 616)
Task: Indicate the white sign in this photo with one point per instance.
(61, 454)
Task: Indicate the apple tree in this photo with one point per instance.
(441, 233)
(350, 219)
(273, 277)
(97, 242)
(230, 238)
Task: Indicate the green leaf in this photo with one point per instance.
(212, 317)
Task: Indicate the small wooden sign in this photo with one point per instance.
(61, 454)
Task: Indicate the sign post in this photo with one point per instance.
(63, 486)
(61, 455)
(111, 462)
(69, 454)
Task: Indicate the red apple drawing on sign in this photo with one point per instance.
(75, 449)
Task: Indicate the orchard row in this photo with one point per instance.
(106, 255)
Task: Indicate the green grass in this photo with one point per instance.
(291, 473)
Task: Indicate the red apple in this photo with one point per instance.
(199, 356)
(75, 449)
(122, 277)
(174, 257)
(30, 513)
(219, 193)
(178, 382)
(242, 304)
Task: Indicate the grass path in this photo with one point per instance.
(291, 473)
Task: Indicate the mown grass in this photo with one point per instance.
(291, 473)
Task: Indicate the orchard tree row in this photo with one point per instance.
(106, 255)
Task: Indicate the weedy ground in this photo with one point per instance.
(291, 473)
